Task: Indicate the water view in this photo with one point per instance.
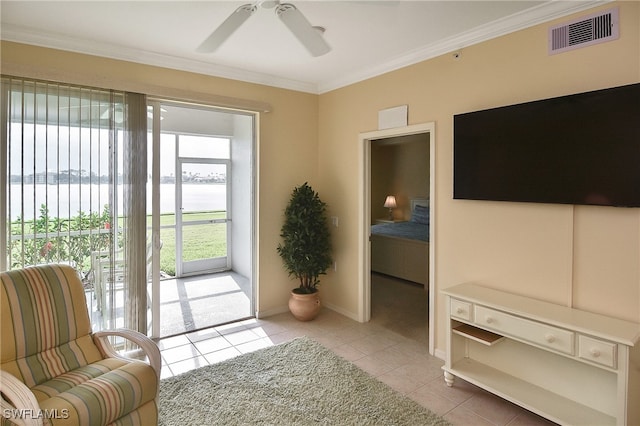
(66, 201)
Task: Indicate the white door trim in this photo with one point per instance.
(364, 252)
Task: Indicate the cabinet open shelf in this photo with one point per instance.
(571, 366)
(531, 397)
(477, 334)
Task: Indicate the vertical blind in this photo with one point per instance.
(73, 185)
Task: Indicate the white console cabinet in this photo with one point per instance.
(570, 366)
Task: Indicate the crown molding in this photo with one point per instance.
(545, 12)
(91, 47)
(534, 16)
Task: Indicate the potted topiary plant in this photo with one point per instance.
(305, 249)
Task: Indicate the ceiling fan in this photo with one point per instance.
(309, 35)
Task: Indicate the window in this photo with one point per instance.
(72, 181)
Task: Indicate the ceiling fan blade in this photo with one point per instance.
(309, 36)
(237, 18)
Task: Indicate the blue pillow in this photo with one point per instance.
(420, 214)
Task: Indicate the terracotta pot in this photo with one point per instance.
(304, 307)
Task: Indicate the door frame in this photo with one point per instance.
(251, 267)
(364, 280)
(179, 223)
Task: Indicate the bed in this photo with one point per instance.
(401, 249)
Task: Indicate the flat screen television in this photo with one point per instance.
(576, 149)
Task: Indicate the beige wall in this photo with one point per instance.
(382, 174)
(411, 173)
(287, 153)
(399, 167)
(587, 257)
(583, 256)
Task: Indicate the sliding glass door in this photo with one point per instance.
(70, 185)
(202, 212)
(130, 193)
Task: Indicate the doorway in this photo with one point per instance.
(202, 213)
(366, 139)
(202, 238)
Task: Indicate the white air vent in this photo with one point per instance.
(585, 31)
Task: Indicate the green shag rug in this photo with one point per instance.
(296, 383)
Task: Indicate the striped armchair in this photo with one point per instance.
(54, 370)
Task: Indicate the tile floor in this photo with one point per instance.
(193, 303)
(392, 347)
(186, 304)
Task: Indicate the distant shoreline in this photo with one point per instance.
(65, 201)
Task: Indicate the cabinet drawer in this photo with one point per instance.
(597, 351)
(544, 335)
(460, 309)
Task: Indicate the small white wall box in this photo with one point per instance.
(393, 117)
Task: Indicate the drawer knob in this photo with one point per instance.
(459, 310)
(550, 338)
(489, 320)
(595, 353)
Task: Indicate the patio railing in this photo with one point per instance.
(73, 247)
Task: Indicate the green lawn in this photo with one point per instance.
(200, 241)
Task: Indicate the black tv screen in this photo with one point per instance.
(576, 149)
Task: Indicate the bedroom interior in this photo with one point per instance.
(400, 166)
(399, 244)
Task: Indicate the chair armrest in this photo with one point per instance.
(24, 401)
(147, 345)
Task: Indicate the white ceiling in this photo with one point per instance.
(368, 38)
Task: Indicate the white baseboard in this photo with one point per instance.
(272, 312)
(341, 311)
(283, 309)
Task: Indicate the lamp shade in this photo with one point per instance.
(390, 202)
